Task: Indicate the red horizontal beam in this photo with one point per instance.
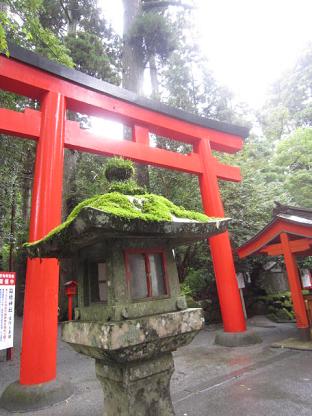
(268, 234)
(296, 246)
(139, 151)
(25, 125)
(227, 172)
(32, 82)
(83, 140)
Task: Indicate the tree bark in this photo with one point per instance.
(154, 78)
(27, 180)
(132, 62)
(133, 68)
(12, 227)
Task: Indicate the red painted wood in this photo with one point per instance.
(38, 358)
(25, 125)
(296, 246)
(270, 233)
(294, 284)
(83, 140)
(32, 82)
(227, 173)
(70, 307)
(228, 291)
(139, 151)
(141, 135)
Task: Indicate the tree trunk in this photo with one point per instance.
(2, 220)
(154, 78)
(12, 228)
(132, 62)
(27, 180)
(133, 69)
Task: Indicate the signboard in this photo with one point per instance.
(306, 279)
(240, 280)
(7, 299)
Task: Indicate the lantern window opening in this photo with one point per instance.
(146, 274)
(97, 284)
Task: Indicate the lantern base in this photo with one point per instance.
(137, 388)
(237, 339)
(23, 398)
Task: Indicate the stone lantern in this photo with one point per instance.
(131, 314)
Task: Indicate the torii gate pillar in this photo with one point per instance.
(234, 323)
(295, 288)
(37, 387)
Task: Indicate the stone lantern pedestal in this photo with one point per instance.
(134, 358)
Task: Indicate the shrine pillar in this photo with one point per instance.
(234, 322)
(295, 289)
(37, 387)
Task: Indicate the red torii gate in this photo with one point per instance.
(59, 89)
(288, 234)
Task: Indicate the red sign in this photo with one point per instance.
(7, 300)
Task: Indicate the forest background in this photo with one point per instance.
(158, 48)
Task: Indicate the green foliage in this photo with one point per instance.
(23, 26)
(294, 89)
(90, 56)
(118, 169)
(294, 158)
(152, 35)
(196, 281)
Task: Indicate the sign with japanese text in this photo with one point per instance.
(7, 299)
(240, 280)
(306, 279)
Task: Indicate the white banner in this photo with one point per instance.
(306, 279)
(7, 299)
(240, 280)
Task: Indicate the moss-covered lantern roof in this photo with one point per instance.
(126, 211)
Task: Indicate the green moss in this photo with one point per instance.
(129, 187)
(118, 169)
(147, 207)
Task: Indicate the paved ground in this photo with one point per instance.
(209, 380)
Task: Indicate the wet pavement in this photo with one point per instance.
(208, 380)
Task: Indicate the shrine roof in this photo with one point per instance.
(294, 221)
(37, 61)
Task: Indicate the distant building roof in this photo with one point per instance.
(295, 221)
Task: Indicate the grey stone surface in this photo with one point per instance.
(209, 380)
(120, 340)
(237, 339)
(137, 389)
(133, 358)
(18, 397)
